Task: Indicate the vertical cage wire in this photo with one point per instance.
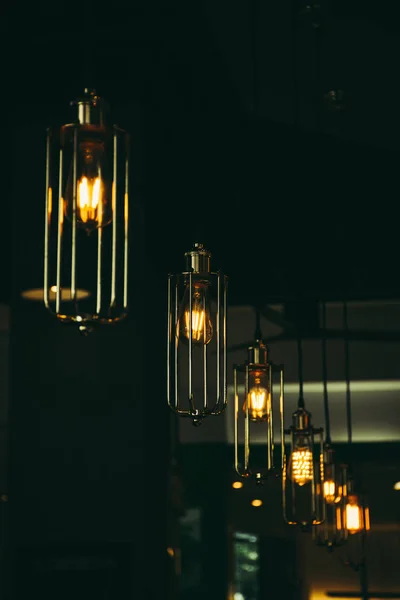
(355, 555)
(86, 238)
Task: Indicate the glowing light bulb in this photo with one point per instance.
(354, 514)
(237, 485)
(330, 491)
(89, 198)
(256, 502)
(93, 188)
(258, 398)
(353, 518)
(201, 322)
(301, 467)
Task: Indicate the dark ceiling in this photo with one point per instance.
(291, 200)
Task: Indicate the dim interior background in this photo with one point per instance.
(236, 140)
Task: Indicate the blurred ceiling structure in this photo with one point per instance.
(374, 374)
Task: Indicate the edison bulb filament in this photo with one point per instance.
(354, 515)
(195, 315)
(258, 398)
(258, 404)
(302, 466)
(353, 521)
(198, 318)
(94, 188)
(89, 199)
(330, 491)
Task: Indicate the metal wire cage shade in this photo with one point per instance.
(254, 407)
(86, 219)
(355, 511)
(303, 472)
(196, 345)
(332, 532)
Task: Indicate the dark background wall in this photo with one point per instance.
(253, 180)
(89, 453)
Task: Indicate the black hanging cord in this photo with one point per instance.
(300, 370)
(87, 45)
(318, 80)
(258, 332)
(254, 15)
(325, 376)
(294, 61)
(199, 233)
(347, 374)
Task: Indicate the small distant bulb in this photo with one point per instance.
(237, 485)
(397, 486)
(256, 502)
(330, 491)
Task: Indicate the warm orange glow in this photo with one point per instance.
(237, 485)
(197, 324)
(258, 397)
(256, 502)
(317, 594)
(37, 294)
(397, 486)
(171, 551)
(353, 520)
(338, 518)
(259, 400)
(342, 491)
(49, 203)
(330, 491)
(367, 521)
(126, 208)
(89, 199)
(357, 517)
(302, 466)
(200, 324)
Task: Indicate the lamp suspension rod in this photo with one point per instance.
(347, 374)
(254, 18)
(300, 369)
(325, 376)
